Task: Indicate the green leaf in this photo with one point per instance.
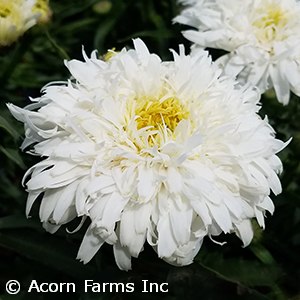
(107, 25)
(238, 270)
(262, 254)
(66, 10)
(249, 274)
(5, 124)
(13, 155)
(60, 50)
(149, 33)
(17, 221)
(102, 32)
(46, 249)
(72, 27)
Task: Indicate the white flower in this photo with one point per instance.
(16, 16)
(163, 152)
(261, 36)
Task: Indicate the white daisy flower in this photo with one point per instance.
(16, 16)
(163, 152)
(261, 36)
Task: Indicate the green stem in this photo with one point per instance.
(59, 49)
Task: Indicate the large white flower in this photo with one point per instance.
(261, 36)
(167, 152)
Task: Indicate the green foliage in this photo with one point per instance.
(268, 269)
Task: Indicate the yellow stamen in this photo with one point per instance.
(271, 21)
(109, 54)
(167, 113)
(274, 17)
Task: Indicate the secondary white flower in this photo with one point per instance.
(163, 152)
(261, 36)
(17, 16)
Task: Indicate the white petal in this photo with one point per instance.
(81, 197)
(281, 85)
(65, 200)
(89, 246)
(146, 184)
(30, 200)
(142, 217)
(112, 211)
(259, 217)
(122, 257)
(181, 224)
(48, 203)
(141, 49)
(174, 180)
(245, 232)
(50, 227)
(166, 241)
(221, 216)
(128, 236)
(267, 204)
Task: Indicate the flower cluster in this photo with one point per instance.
(262, 38)
(18, 16)
(166, 152)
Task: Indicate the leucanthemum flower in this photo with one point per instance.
(164, 152)
(17, 16)
(261, 36)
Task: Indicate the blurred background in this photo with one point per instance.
(267, 269)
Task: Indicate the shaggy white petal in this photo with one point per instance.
(181, 224)
(129, 237)
(32, 196)
(244, 231)
(49, 202)
(50, 227)
(65, 201)
(166, 241)
(91, 243)
(123, 257)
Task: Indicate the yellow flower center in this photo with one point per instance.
(160, 114)
(271, 21)
(274, 17)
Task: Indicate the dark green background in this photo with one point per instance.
(267, 269)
